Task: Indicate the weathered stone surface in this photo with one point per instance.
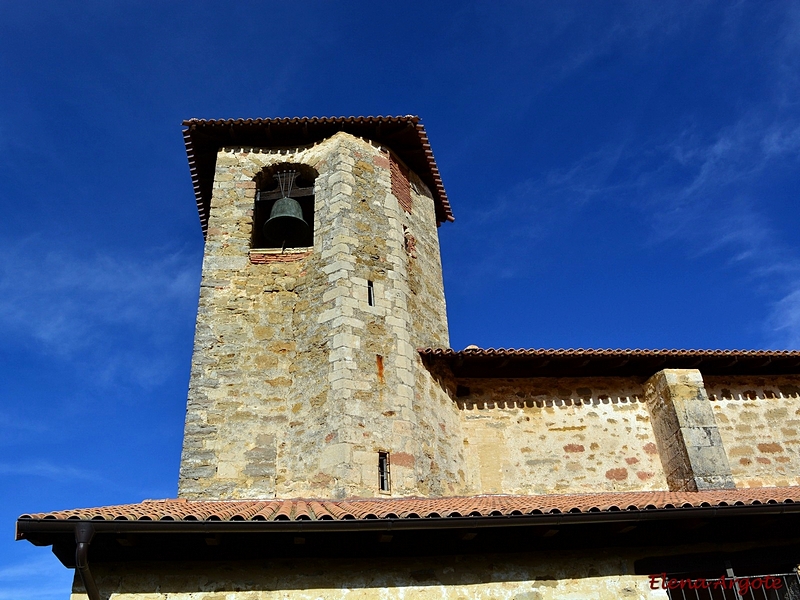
(689, 442)
(299, 375)
(759, 423)
(550, 435)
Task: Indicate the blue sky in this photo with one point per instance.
(623, 174)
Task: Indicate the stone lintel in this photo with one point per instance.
(686, 432)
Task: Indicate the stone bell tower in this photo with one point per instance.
(306, 379)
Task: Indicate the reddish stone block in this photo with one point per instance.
(617, 474)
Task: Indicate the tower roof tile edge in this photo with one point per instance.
(404, 135)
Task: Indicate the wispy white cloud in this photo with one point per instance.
(644, 24)
(33, 589)
(31, 567)
(787, 56)
(48, 470)
(530, 37)
(60, 299)
(701, 190)
(40, 578)
(779, 141)
(718, 209)
(9, 422)
(117, 313)
(17, 428)
(784, 321)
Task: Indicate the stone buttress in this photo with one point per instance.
(305, 365)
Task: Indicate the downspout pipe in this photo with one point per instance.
(84, 532)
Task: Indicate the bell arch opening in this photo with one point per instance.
(283, 216)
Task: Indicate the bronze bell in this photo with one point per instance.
(286, 225)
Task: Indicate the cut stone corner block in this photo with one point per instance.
(687, 437)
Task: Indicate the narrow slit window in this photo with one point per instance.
(384, 480)
(370, 293)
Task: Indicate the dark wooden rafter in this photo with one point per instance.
(295, 193)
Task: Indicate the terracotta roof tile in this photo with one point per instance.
(423, 508)
(506, 352)
(544, 362)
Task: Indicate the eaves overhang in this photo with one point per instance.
(172, 528)
(40, 528)
(581, 362)
(403, 135)
(119, 541)
(416, 511)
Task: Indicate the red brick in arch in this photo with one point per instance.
(401, 188)
(264, 259)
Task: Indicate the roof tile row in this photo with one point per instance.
(474, 362)
(506, 352)
(411, 508)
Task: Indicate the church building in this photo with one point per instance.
(336, 447)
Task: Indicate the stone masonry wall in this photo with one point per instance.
(550, 435)
(297, 381)
(759, 421)
(426, 292)
(689, 443)
(437, 414)
(536, 576)
(441, 422)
